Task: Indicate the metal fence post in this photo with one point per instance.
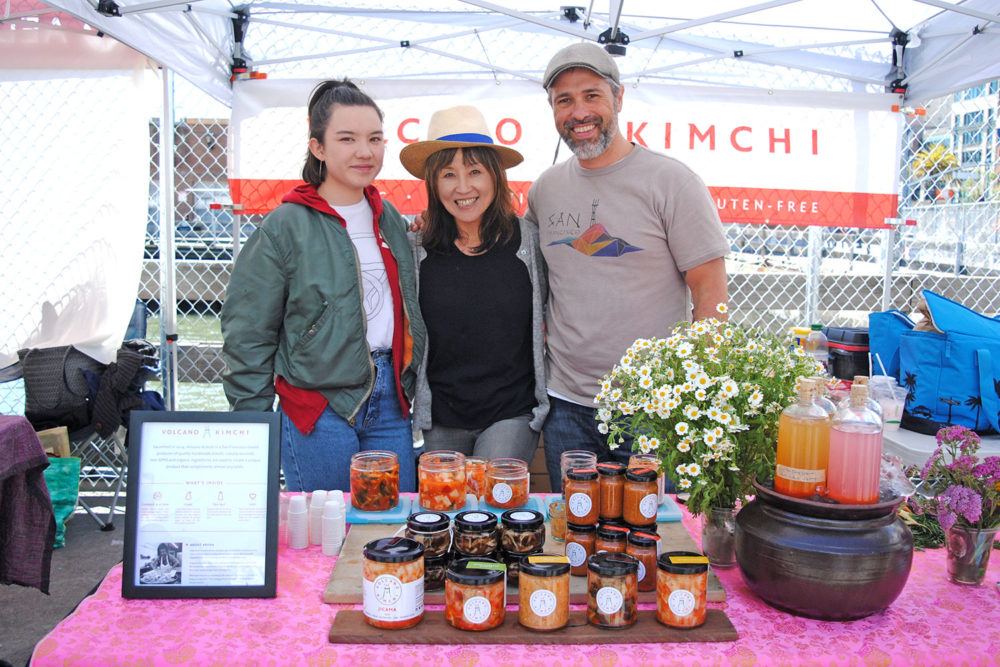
(168, 287)
(815, 256)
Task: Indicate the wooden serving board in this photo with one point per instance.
(344, 586)
(349, 627)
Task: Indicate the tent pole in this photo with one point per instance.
(168, 287)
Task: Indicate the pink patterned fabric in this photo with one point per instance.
(932, 622)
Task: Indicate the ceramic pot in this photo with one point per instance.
(969, 552)
(718, 537)
(826, 561)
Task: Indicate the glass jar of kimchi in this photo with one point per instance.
(441, 478)
(506, 483)
(374, 481)
(393, 582)
(475, 594)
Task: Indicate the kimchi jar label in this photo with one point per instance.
(386, 598)
(576, 553)
(580, 504)
(477, 610)
(681, 602)
(647, 506)
(609, 600)
(542, 602)
(502, 493)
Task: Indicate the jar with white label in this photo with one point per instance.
(611, 537)
(612, 590)
(639, 505)
(475, 594)
(681, 589)
(393, 582)
(543, 596)
(506, 483)
(476, 533)
(432, 529)
(580, 541)
(523, 531)
(643, 546)
(582, 493)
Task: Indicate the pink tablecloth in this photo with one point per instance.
(932, 622)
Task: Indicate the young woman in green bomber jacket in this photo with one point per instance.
(322, 306)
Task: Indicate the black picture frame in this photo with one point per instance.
(161, 575)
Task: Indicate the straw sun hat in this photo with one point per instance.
(457, 127)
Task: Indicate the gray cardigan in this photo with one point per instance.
(531, 255)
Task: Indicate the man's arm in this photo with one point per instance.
(708, 285)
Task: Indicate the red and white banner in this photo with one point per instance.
(781, 158)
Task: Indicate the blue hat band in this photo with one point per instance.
(473, 137)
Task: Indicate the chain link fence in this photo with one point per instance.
(780, 276)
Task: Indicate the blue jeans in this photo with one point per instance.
(322, 459)
(572, 426)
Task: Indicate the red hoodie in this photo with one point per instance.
(304, 406)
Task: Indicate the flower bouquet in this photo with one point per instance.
(706, 401)
(964, 492)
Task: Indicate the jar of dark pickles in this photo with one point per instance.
(642, 546)
(639, 504)
(582, 495)
(432, 529)
(612, 590)
(580, 541)
(522, 531)
(476, 533)
(434, 571)
(513, 562)
(611, 480)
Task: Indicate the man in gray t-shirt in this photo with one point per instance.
(626, 233)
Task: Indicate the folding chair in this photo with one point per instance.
(103, 465)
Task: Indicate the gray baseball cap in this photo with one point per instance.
(581, 54)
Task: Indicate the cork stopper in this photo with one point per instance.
(859, 395)
(861, 380)
(807, 389)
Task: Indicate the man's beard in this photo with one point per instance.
(590, 148)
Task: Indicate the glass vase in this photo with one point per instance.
(969, 554)
(718, 537)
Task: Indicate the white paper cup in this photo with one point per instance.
(892, 399)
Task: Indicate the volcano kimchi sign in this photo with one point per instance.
(781, 159)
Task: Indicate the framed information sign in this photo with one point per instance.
(202, 505)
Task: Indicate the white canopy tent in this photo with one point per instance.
(855, 50)
(926, 48)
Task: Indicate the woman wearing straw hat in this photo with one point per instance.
(481, 388)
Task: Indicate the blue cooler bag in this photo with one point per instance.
(953, 377)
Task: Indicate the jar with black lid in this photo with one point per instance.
(639, 505)
(523, 531)
(475, 594)
(476, 533)
(611, 482)
(611, 537)
(612, 590)
(543, 597)
(432, 529)
(642, 546)
(434, 571)
(580, 540)
(582, 494)
(513, 562)
(681, 589)
(396, 565)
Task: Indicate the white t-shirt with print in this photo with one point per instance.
(375, 282)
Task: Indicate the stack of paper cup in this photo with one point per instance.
(334, 526)
(316, 517)
(298, 522)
